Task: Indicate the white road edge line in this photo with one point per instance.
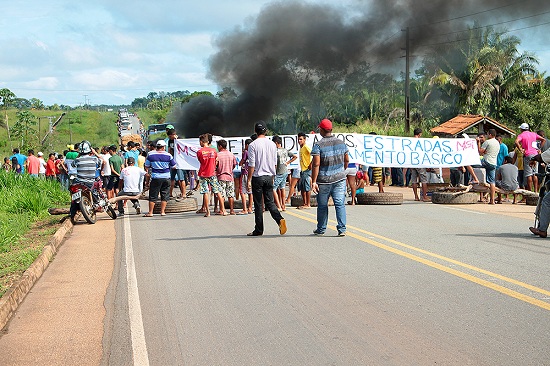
(137, 332)
(460, 209)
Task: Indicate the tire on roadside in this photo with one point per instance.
(376, 198)
(531, 200)
(237, 204)
(452, 199)
(173, 206)
(297, 201)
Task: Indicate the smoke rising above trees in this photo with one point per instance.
(292, 43)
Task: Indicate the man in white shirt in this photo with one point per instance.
(105, 166)
(131, 175)
(489, 149)
(42, 169)
(262, 161)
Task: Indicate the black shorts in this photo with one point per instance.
(161, 186)
(113, 182)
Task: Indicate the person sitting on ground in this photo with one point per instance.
(507, 178)
(131, 176)
(360, 182)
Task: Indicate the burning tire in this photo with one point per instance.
(452, 199)
(375, 198)
(173, 206)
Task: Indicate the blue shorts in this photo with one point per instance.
(304, 184)
(490, 171)
(280, 181)
(177, 174)
(296, 173)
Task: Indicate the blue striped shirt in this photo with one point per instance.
(332, 151)
(160, 163)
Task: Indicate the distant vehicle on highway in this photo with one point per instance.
(123, 114)
(125, 125)
(156, 128)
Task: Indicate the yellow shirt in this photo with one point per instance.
(305, 157)
(519, 159)
(141, 161)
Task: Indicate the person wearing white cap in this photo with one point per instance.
(526, 142)
(42, 169)
(159, 162)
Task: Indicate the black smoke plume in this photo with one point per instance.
(264, 58)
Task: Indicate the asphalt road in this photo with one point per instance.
(413, 284)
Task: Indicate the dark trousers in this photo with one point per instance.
(262, 187)
(397, 177)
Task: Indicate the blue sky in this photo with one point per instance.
(110, 52)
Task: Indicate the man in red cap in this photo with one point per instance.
(328, 177)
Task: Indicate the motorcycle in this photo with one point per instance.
(89, 201)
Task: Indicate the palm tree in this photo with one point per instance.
(487, 66)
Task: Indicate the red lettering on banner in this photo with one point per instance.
(465, 145)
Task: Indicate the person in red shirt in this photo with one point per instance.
(50, 167)
(207, 157)
(32, 164)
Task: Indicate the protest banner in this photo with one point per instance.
(369, 150)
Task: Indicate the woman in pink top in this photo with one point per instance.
(526, 142)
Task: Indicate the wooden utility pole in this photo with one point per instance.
(407, 83)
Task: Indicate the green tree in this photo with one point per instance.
(6, 99)
(24, 128)
(37, 104)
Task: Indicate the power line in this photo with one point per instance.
(503, 32)
(466, 16)
(494, 24)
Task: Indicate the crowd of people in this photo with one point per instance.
(260, 178)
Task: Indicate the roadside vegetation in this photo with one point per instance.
(25, 224)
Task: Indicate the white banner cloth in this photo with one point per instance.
(369, 150)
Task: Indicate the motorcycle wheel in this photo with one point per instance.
(111, 212)
(87, 209)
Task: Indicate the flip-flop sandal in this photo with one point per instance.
(242, 213)
(147, 215)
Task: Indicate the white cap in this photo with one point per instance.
(40, 153)
(161, 143)
(524, 126)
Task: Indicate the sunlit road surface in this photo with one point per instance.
(413, 284)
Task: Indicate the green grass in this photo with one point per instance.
(97, 127)
(25, 224)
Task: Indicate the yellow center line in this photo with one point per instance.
(474, 279)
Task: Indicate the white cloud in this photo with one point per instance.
(105, 79)
(42, 83)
